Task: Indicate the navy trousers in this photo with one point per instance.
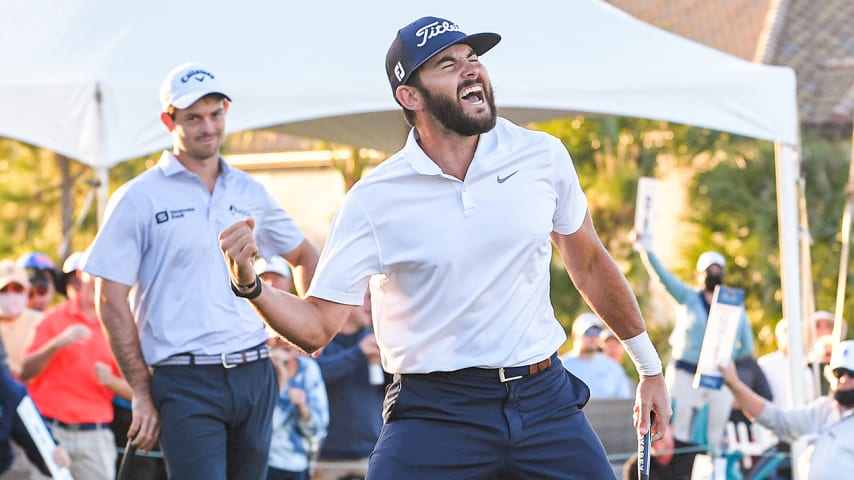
(468, 425)
(215, 423)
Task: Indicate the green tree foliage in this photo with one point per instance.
(43, 194)
(732, 207)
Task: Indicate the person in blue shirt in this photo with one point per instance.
(605, 377)
(355, 404)
(701, 414)
(301, 414)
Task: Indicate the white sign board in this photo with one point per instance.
(645, 209)
(41, 437)
(719, 339)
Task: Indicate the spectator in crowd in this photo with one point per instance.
(17, 332)
(13, 428)
(14, 289)
(777, 369)
(275, 272)
(826, 421)
(824, 321)
(611, 346)
(355, 403)
(194, 353)
(301, 414)
(18, 459)
(694, 405)
(60, 368)
(44, 278)
(819, 351)
(605, 377)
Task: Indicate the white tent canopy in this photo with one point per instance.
(80, 77)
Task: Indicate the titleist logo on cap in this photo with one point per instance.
(435, 29)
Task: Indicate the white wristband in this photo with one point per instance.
(643, 354)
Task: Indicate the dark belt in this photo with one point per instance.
(686, 366)
(507, 374)
(76, 427)
(227, 360)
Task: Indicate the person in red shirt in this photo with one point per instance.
(60, 367)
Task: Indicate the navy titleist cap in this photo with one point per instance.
(422, 39)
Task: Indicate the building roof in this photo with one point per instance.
(815, 38)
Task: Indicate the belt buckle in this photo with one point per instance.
(507, 379)
(225, 364)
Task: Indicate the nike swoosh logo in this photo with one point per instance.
(502, 180)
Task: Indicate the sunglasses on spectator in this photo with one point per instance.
(12, 288)
(840, 372)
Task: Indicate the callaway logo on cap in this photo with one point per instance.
(187, 83)
(424, 38)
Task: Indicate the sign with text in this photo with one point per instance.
(719, 339)
(41, 437)
(645, 209)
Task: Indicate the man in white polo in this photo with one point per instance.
(213, 388)
(452, 234)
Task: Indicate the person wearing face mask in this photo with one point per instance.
(826, 421)
(14, 291)
(701, 414)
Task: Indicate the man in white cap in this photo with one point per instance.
(605, 377)
(275, 272)
(453, 235)
(210, 397)
(697, 410)
(827, 420)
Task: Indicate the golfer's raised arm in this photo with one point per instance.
(310, 323)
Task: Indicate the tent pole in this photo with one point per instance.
(102, 175)
(787, 212)
(838, 332)
(790, 274)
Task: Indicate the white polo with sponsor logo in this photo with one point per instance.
(459, 270)
(160, 235)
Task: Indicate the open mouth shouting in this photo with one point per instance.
(473, 95)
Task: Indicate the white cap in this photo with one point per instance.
(707, 259)
(823, 315)
(276, 264)
(11, 272)
(187, 83)
(73, 262)
(585, 321)
(842, 356)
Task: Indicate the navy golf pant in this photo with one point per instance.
(468, 425)
(215, 423)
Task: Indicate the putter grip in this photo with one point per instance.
(643, 451)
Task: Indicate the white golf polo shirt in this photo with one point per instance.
(160, 235)
(459, 270)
